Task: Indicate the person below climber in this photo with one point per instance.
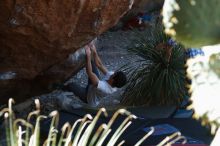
(96, 88)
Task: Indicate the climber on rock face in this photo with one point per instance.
(96, 88)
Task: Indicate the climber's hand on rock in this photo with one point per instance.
(88, 51)
(93, 48)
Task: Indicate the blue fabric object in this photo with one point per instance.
(182, 113)
(146, 17)
(172, 42)
(186, 101)
(162, 129)
(193, 52)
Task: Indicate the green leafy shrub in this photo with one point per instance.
(158, 77)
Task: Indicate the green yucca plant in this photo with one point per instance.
(21, 132)
(158, 77)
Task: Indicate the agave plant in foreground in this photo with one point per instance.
(21, 132)
(158, 77)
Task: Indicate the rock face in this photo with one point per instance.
(144, 6)
(38, 39)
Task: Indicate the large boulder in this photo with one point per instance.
(38, 39)
(147, 6)
(144, 6)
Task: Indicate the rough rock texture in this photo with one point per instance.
(144, 6)
(37, 36)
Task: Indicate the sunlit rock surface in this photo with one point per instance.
(37, 38)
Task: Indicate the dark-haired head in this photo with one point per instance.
(119, 79)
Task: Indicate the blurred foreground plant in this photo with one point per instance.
(158, 77)
(194, 23)
(21, 132)
(205, 74)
